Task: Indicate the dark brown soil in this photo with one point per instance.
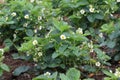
(13, 64)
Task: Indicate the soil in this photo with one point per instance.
(13, 64)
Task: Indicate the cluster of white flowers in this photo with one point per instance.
(91, 50)
(82, 11)
(13, 14)
(35, 59)
(35, 42)
(62, 37)
(39, 18)
(16, 31)
(90, 45)
(40, 54)
(35, 31)
(25, 24)
(79, 31)
(32, 1)
(117, 73)
(14, 36)
(47, 74)
(60, 18)
(98, 64)
(26, 16)
(91, 9)
(38, 2)
(43, 9)
(101, 35)
(40, 27)
(6, 18)
(118, 0)
(110, 71)
(1, 51)
(111, 15)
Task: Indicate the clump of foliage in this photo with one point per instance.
(64, 33)
(3, 67)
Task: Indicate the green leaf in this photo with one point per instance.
(117, 57)
(10, 22)
(54, 75)
(82, 2)
(64, 77)
(1, 72)
(78, 37)
(101, 55)
(8, 43)
(76, 51)
(18, 56)
(20, 69)
(43, 77)
(111, 44)
(89, 68)
(91, 18)
(89, 79)
(20, 29)
(53, 65)
(108, 28)
(107, 78)
(61, 25)
(98, 16)
(29, 32)
(73, 74)
(108, 73)
(54, 55)
(4, 67)
(63, 48)
(26, 46)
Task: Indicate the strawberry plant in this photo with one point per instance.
(62, 34)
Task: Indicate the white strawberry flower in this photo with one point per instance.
(62, 37)
(6, 18)
(47, 74)
(35, 31)
(82, 11)
(13, 14)
(32, 1)
(91, 50)
(40, 54)
(14, 35)
(118, 0)
(25, 24)
(35, 42)
(117, 73)
(97, 64)
(26, 16)
(43, 9)
(35, 59)
(101, 35)
(79, 31)
(40, 27)
(39, 18)
(92, 9)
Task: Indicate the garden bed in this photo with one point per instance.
(14, 63)
(60, 40)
